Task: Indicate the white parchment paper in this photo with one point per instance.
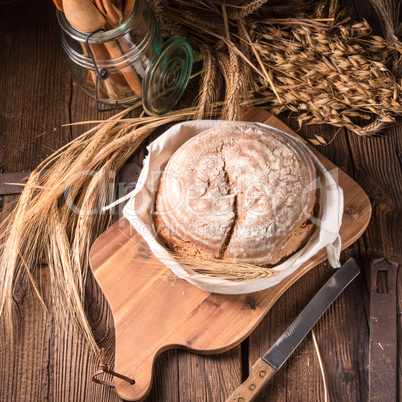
(138, 212)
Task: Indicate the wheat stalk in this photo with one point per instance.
(45, 229)
(313, 62)
(324, 381)
(325, 70)
(207, 91)
(335, 82)
(225, 270)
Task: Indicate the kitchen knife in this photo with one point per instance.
(271, 362)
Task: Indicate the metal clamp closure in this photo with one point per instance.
(102, 73)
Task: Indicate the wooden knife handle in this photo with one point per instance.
(261, 373)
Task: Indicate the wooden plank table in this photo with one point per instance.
(51, 361)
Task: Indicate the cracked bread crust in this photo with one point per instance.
(240, 192)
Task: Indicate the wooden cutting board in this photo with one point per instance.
(154, 310)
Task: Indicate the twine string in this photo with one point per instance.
(105, 368)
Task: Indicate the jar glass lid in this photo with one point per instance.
(167, 77)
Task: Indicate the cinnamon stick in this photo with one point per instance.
(113, 20)
(128, 72)
(112, 17)
(101, 13)
(58, 4)
(128, 9)
(116, 86)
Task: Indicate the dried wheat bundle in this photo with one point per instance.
(59, 215)
(226, 270)
(389, 13)
(299, 56)
(286, 59)
(330, 76)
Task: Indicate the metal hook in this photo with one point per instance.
(102, 73)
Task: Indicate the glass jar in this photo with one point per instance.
(128, 63)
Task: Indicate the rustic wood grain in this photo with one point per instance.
(181, 314)
(345, 368)
(49, 361)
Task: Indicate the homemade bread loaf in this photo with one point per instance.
(241, 192)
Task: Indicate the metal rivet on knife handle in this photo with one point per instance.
(260, 374)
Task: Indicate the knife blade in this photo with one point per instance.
(271, 362)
